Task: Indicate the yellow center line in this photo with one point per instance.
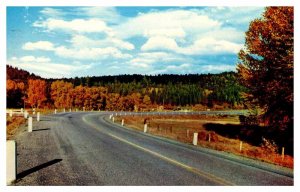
(191, 169)
(208, 176)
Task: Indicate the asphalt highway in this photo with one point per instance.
(86, 148)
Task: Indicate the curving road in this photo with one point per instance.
(86, 149)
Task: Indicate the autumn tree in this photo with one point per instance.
(14, 93)
(61, 94)
(36, 92)
(266, 66)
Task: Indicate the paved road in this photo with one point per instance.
(86, 149)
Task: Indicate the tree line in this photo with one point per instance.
(124, 92)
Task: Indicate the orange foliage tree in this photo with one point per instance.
(266, 67)
(36, 92)
(61, 94)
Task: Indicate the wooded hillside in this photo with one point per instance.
(125, 92)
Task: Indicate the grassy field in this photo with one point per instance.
(223, 133)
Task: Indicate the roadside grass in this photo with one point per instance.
(223, 133)
(12, 124)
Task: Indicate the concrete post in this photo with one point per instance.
(76, 110)
(145, 127)
(11, 162)
(64, 110)
(113, 119)
(241, 146)
(83, 108)
(282, 153)
(70, 110)
(10, 113)
(110, 116)
(195, 139)
(25, 114)
(22, 111)
(122, 122)
(38, 116)
(30, 124)
(55, 111)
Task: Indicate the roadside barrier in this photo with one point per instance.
(30, 124)
(38, 116)
(195, 139)
(11, 162)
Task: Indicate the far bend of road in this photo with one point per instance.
(86, 149)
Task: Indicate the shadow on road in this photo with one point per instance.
(41, 129)
(37, 168)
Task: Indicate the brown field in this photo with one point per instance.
(225, 132)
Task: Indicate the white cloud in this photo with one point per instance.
(90, 53)
(39, 45)
(107, 14)
(148, 59)
(33, 59)
(216, 68)
(53, 13)
(181, 69)
(172, 23)
(75, 25)
(81, 41)
(160, 43)
(43, 67)
(211, 46)
(199, 47)
(143, 65)
(176, 32)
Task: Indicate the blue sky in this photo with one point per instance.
(92, 41)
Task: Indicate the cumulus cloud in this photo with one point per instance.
(31, 58)
(175, 40)
(76, 25)
(174, 23)
(39, 45)
(84, 41)
(216, 68)
(199, 47)
(178, 69)
(160, 43)
(52, 12)
(45, 68)
(90, 53)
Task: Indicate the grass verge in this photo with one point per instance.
(223, 133)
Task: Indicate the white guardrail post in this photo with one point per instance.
(11, 162)
(25, 114)
(30, 124)
(38, 116)
(195, 139)
(122, 122)
(145, 127)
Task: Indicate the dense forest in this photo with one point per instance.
(125, 92)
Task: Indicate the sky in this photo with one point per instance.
(56, 42)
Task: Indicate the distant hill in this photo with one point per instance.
(16, 74)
